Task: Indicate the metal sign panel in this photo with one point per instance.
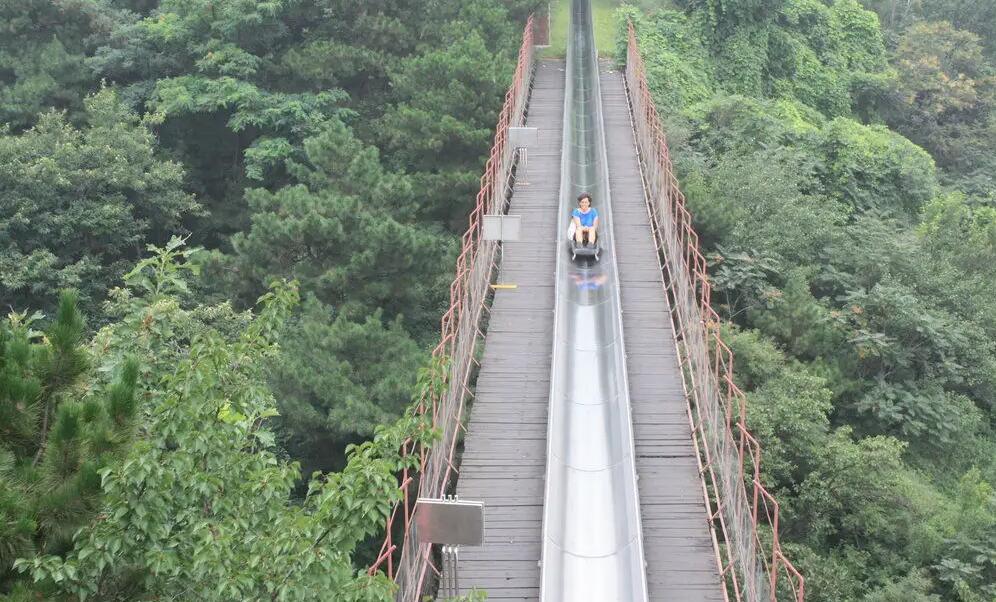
(504, 228)
(491, 227)
(522, 137)
(511, 226)
(450, 522)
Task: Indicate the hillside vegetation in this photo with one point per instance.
(228, 228)
(838, 162)
(227, 231)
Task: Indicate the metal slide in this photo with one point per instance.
(592, 539)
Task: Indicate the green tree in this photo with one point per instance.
(61, 424)
(967, 565)
(940, 69)
(873, 168)
(208, 68)
(787, 407)
(977, 16)
(200, 508)
(43, 46)
(861, 499)
(350, 256)
(912, 588)
(346, 235)
(947, 94)
(895, 15)
(446, 116)
(242, 84)
(79, 204)
(337, 380)
(960, 232)
(862, 286)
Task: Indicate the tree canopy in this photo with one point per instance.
(166, 164)
(833, 163)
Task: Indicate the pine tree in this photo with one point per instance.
(60, 425)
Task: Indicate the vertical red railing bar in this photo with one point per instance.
(721, 435)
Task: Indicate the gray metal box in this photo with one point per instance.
(456, 522)
(505, 228)
(522, 137)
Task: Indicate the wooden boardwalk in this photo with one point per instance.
(504, 458)
(681, 562)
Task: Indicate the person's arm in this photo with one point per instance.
(594, 224)
(576, 218)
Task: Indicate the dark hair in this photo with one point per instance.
(584, 195)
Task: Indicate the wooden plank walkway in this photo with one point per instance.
(504, 458)
(681, 562)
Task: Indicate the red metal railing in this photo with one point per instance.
(752, 568)
(454, 356)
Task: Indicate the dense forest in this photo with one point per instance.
(838, 159)
(227, 231)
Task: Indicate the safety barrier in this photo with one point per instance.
(454, 357)
(752, 567)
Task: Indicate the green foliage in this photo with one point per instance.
(801, 74)
(968, 562)
(912, 588)
(960, 231)
(346, 253)
(787, 408)
(821, 51)
(42, 53)
(941, 69)
(742, 60)
(61, 423)
(346, 235)
(946, 94)
(816, 52)
(862, 497)
(873, 168)
(977, 16)
(749, 199)
(895, 15)
(200, 507)
(680, 66)
(854, 40)
(80, 203)
(441, 122)
(861, 285)
(282, 118)
(242, 84)
(337, 379)
(728, 16)
(331, 141)
(796, 319)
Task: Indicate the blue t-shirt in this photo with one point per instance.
(587, 219)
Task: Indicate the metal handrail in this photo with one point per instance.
(752, 568)
(454, 356)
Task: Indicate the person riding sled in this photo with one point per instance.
(584, 221)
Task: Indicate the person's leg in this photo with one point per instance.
(592, 236)
(579, 235)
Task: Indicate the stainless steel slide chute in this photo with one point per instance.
(592, 541)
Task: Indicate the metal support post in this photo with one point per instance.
(520, 139)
